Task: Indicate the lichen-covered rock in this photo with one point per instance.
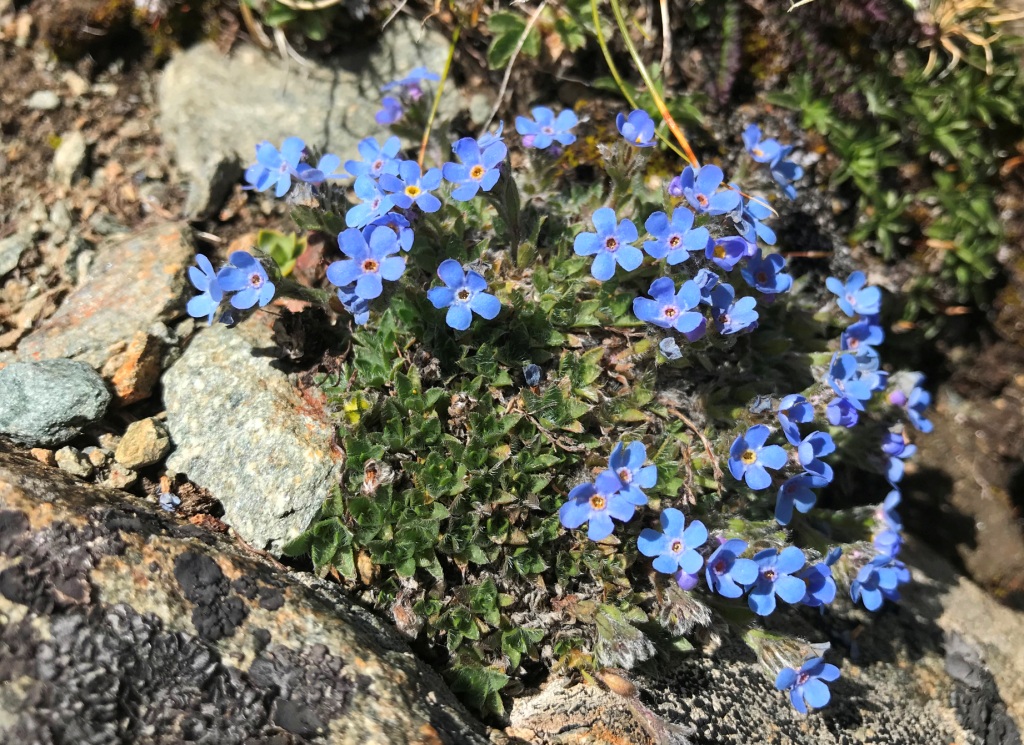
(122, 625)
(50, 402)
(141, 284)
(216, 108)
(242, 431)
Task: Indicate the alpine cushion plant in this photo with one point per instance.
(597, 503)
(636, 128)
(749, 457)
(806, 685)
(247, 278)
(546, 128)
(478, 169)
(675, 548)
(368, 262)
(463, 295)
(610, 245)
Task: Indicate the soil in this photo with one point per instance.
(965, 495)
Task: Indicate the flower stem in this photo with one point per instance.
(437, 96)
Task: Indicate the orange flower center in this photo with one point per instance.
(477, 172)
(370, 266)
(597, 502)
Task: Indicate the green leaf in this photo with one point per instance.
(479, 687)
(508, 29)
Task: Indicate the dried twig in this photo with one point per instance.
(511, 61)
(716, 469)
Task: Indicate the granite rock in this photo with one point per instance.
(48, 403)
(242, 431)
(215, 109)
(122, 624)
(74, 461)
(137, 283)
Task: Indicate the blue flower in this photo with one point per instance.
(764, 274)
(917, 403)
(410, 84)
(794, 409)
(706, 281)
(397, 223)
(806, 686)
(546, 128)
(390, 112)
(247, 278)
(786, 172)
(687, 581)
(700, 187)
(888, 542)
(775, 577)
(749, 457)
(463, 295)
(821, 586)
(671, 309)
(374, 205)
(845, 379)
(610, 245)
(864, 333)
(841, 413)
(205, 280)
(886, 513)
(732, 317)
(368, 262)
(169, 502)
(409, 187)
(878, 581)
(726, 573)
(748, 220)
(728, 251)
(813, 447)
(637, 128)
(597, 503)
(670, 348)
(326, 168)
(853, 297)
(676, 239)
(763, 151)
(896, 449)
(376, 159)
(628, 464)
(478, 170)
(275, 168)
(359, 307)
(489, 138)
(675, 548)
(796, 491)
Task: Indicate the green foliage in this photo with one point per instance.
(508, 29)
(284, 248)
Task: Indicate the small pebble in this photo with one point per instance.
(43, 101)
(72, 461)
(44, 456)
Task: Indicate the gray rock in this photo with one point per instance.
(215, 109)
(69, 158)
(134, 283)
(125, 624)
(145, 442)
(48, 403)
(11, 249)
(72, 460)
(242, 431)
(43, 101)
(119, 477)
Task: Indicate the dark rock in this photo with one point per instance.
(50, 402)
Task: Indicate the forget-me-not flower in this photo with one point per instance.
(846, 381)
(794, 409)
(409, 187)
(706, 281)
(765, 274)
(637, 128)
(671, 309)
(797, 491)
(732, 316)
(865, 332)
(597, 503)
(368, 262)
(878, 581)
(374, 205)
(814, 447)
(749, 220)
(205, 280)
(391, 110)
(674, 239)
(247, 278)
(806, 686)
(700, 187)
(463, 295)
(275, 168)
(359, 307)
(411, 84)
(854, 297)
(727, 573)
(545, 128)
(763, 151)
(841, 413)
(785, 172)
(675, 548)
(628, 464)
(610, 245)
(728, 251)
(749, 457)
(376, 158)
(478, 169)
(775, 577)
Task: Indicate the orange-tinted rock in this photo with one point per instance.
(135, 372)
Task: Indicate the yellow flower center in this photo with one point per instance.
(412, 191)
(597, 502)
(477, 172)
(748, 457)
(719, 252)
(676, 547)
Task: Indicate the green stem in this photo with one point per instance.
(437, 96)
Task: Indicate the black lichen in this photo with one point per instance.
(215, 615)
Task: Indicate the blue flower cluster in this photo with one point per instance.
(276, 168)
(407, 90)
(244, 275)
(774, 155)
